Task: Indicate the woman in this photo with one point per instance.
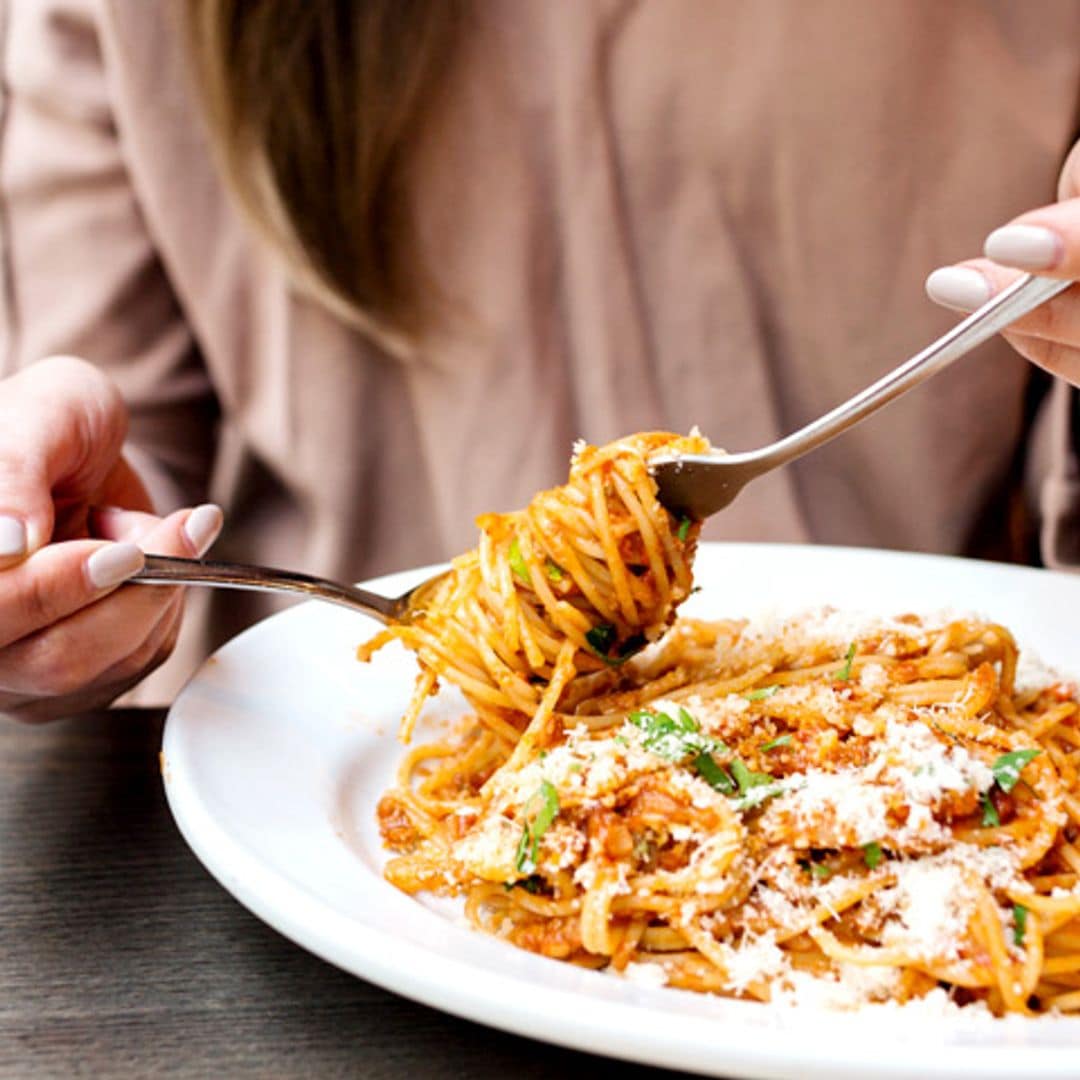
(358, 271)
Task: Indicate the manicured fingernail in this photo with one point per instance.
(1029, 247)
(203, 525)
(958, 287)
(12, 537)
(113, 564)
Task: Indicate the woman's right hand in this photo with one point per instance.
(74, 522)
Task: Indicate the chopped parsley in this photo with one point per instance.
(990, 817)
(844, 673)
(601, 639)
(674, 738)
(684, 528)
(1007, 768)
(818, 870)
(1020, 914)
(871, 854)
(534, 885)
(554, 571)
(528, 849)
(714, 775)
(517, 562)
(754, 787)
(680, 737)
(772, 744)
(762, 693)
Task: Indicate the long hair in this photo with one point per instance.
(313, 107)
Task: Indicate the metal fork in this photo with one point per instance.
(701, 484)
(169, 570)
(697, 484)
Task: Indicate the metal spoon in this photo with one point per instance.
(700, 484)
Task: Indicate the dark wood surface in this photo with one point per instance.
(121, 956)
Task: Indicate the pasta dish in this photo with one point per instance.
(815, 809)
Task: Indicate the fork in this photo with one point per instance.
(698, 485)
(170, 570)
(693, 484)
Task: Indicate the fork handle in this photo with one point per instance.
(1023, 295)
(169, 570)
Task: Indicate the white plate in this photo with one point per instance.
(278, 750)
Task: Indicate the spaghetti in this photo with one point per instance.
(809, 811)
(576, 583)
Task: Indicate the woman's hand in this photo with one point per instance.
(74, 522)
(1044, 241)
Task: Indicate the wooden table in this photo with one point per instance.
(121, 956)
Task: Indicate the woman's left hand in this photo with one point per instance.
(1046, 242)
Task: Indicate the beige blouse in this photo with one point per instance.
(656, 214)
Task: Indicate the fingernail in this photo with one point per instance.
(203, 525)
(12, 537)
(109, 566)
(958, 287)
(1029, 247)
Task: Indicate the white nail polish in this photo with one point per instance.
(958, 287)
(114, 564)
(1029, 247)
(12, 537)
(203, 525)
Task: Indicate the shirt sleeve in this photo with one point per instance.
(1060, 492)
(80, 273)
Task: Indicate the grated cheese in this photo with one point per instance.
(645, 974)
(753, 960)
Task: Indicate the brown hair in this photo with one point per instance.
(313, 107)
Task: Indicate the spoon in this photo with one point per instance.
(693, 484)
(698, 485)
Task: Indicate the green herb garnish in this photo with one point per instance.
(601, 639)
(680, 737)
(844, 673)
(554, 572)
(990, 817)
(772, 744)
(762, 693)
(714, 775)
(528, 849)
(534, 884)
(684, 528)
(754, 787)
(871, 854)
(674, 738)
(1020, 914)
(747, 778)
(517, 562)
(1007, 768)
